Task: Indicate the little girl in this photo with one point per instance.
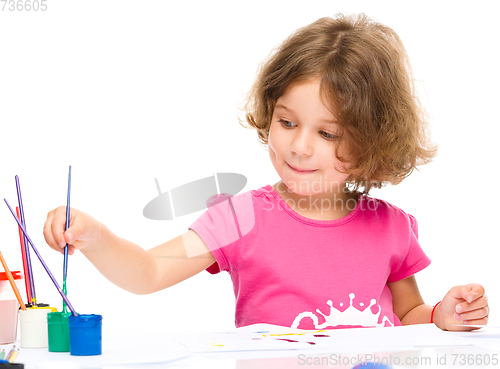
(336, 105)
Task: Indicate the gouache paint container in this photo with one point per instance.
(34, 327)
(9, 308)
(85, 335)
(58, 329)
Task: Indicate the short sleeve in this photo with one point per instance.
(415, 259)
(217, 227)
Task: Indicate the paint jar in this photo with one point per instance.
(34, 327)
(9, 308)
(85, 335)
(58, 329)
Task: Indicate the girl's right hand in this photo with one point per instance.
(82, 232)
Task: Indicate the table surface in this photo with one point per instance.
(266, 346)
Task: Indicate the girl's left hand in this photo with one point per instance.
(462, 306)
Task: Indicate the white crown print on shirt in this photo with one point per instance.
(350, 316)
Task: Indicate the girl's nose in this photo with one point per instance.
(302, 145)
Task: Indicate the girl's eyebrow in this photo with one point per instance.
(279, 105)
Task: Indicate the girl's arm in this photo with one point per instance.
(407, 303)
(124, 263)
(468, 300)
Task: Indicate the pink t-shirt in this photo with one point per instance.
(297, 272)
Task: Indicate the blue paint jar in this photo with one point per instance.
(85, 335)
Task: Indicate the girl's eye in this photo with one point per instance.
(286, 123)
(328, 136)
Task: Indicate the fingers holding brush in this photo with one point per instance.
(53, 229)
(81, 231)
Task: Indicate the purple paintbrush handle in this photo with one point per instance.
(27, 248)
(65, 298)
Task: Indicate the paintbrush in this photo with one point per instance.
(25, 265)
(41, 260)
(28, 257)
(65, 265)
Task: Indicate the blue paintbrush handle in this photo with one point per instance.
(65, 267)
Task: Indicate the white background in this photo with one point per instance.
(129, 91)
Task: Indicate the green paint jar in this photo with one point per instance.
(58, 330)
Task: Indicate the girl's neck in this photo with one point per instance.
(323, 206)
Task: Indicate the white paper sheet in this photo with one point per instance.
(268, 337)
(116, 351)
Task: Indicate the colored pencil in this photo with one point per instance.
(25, 266)
(41, 260)
(13, 356)
(2, 354)
(10, 353)
(28, 256)
(12, 282)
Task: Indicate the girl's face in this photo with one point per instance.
(302, 139)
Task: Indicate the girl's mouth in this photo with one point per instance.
(301, 171)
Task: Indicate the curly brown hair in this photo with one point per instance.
(367, 83)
